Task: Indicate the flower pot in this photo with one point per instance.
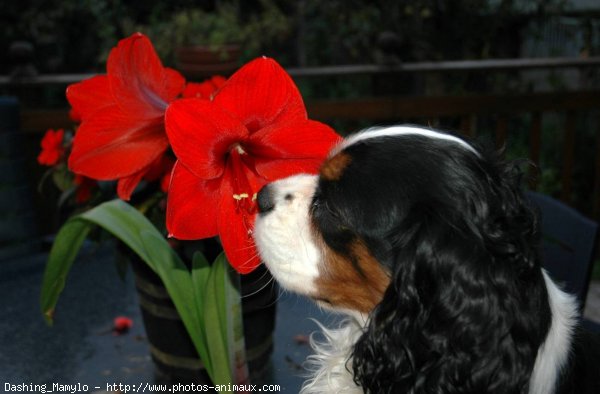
(201, 62)
(171, 348)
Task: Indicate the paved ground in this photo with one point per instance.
(80, 348)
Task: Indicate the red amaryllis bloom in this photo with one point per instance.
(52, 147)
(122, 131)
(255, 130)
(204, 89)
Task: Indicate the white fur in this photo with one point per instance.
(331, 364)
(554, 352)
(395, 131)
(286, 245)
(283, 237)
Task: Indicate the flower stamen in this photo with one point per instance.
(241, 196)
(240, 149)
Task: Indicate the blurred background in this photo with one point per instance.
(521, 75)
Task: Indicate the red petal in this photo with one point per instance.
(48, 157)
(199, 90)
(172, 84)
(239, 248)
(53, 139)
(127, 185)
(192, 205)
(158, 168)
(217, 81)
(165, 181)
(89, 96)
(201, 135)
(112, 145)
(282, 168)
(138, 81)
(235, 230)
(205, 90)
(261, 93)
(304, 139)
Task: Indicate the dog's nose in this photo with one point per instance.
(265, 200)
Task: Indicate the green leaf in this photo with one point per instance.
(220, 278)
(216, 329)
(66, 245)
(139, 234)
(63, 179)
(124, 222)
(234, 325)
(200, 273)
(203, 298)
(178, 282)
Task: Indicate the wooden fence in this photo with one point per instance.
(470, 108)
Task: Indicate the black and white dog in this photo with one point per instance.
(427, 243)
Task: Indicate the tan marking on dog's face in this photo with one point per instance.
(334, 167)
(355, 282)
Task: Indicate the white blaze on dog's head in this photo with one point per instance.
(283, 234)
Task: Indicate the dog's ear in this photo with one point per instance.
(462, 312)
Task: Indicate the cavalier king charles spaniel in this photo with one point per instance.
(426, 242)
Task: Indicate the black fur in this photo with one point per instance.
(467, 308)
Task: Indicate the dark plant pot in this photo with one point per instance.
(171, 348)
(200, 62)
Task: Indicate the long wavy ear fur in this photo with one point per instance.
(467, 308)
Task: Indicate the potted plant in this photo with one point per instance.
(204, 43)
(138, 122)
(207, 43)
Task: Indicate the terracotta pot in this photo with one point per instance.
(201, 62)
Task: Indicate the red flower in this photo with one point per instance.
(205, 89)
(122, 131)
(254, 131)
(52, 147)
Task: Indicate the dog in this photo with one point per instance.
(426, 242)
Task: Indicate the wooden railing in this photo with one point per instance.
(426, 109)
(469, 108)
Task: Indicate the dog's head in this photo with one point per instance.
(429, 237)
